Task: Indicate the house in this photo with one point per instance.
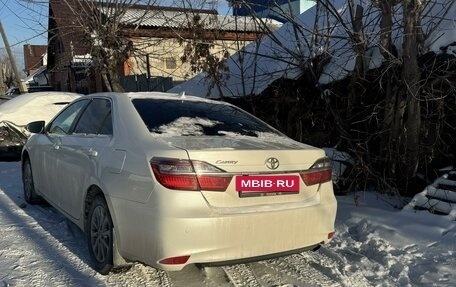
(159, 36)
(35, 59)
(35, 62)
(35, 56)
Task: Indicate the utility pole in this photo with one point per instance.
(2, 84)
(22, 87)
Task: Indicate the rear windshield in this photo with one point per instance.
(193, 118)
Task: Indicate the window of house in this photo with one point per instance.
(170, 63)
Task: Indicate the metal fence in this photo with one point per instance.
(141, 83)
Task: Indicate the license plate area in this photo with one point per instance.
(267, 185)
(243, 194)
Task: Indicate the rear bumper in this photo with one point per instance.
(211, 237)
(263, 257)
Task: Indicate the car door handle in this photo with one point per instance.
(91, 152)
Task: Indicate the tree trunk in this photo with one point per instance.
(110, 76)
(359, 46)
(393, 108)
(411, 77)
(114, 78)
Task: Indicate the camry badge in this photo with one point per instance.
(272, 163)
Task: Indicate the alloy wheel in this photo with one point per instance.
(100, 234)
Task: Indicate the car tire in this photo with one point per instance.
(100, 235)
(30, 195)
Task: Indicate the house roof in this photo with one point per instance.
(149, 21)
(172, 18)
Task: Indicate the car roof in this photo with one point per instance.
(160, 95)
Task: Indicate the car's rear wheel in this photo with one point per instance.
(100, 235)
(30, 195)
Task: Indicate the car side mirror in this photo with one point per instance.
(35, 127)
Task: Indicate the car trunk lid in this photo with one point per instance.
(261, 170)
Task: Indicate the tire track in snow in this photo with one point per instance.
(299, 271)
(196, 275)
(190, 276)
(164, 278)
(342, 264)
(242, 275)
(217, 276)
(335, 266)
(273, 277)
(139, 275)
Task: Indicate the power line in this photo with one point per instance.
(3, 6)
(21, 19)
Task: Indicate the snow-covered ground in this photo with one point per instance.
(375, 245)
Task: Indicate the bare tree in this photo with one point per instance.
(125, 32)
(413, 41)
(100, 25)
(394, 106)
(6, 74)
(385, 130)
(338, 43)
(199, 49)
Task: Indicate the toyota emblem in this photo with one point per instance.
(272, 163)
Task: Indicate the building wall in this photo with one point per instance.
(162, 57)
(155, 57)
(34, 57)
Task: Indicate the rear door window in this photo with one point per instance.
(194, 118)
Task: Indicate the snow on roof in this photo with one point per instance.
(37, 106)
(283, 53)
(172, 96)
(181, 18)
(40, 70)
(81, 60)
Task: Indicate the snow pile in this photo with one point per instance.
(394, 248)
(283, 54)
(439, 197)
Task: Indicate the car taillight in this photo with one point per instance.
(214, 182)
(175, 260)
(189, 175)
(319, 172)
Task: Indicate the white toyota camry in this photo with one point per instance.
(171, 180)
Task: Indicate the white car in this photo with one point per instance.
(171, 180)
(19, 111)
